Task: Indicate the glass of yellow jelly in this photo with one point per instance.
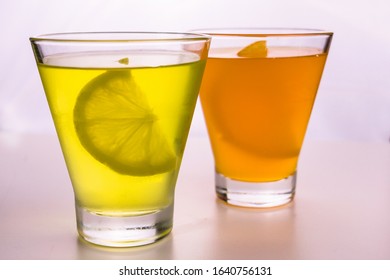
(257, 95)
(122, 105)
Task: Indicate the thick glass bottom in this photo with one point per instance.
(124, 231)
(255, 194)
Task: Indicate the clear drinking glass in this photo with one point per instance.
(122, 105)
(257, 95)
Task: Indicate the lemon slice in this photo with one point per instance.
(117, 126)
(255, 50)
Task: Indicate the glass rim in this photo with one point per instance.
(263, 32)
(120, 37)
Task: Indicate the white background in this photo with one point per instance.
(353, 102)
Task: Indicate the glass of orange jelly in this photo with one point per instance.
(257, 95)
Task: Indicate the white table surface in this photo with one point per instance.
(341, 209)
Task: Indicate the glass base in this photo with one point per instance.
(255, 194)
(124, 231)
